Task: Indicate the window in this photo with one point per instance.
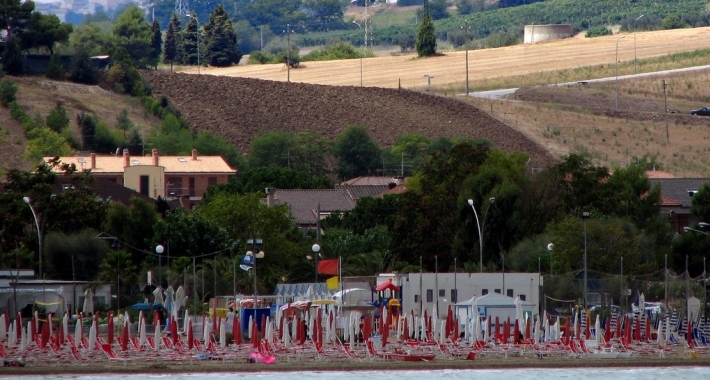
(416, 298)
(211, 181)
(144, 185)
(522, 297)
(442, 292)
(497, 291)
(430, 295)
(174, 187)
(192, 186)
(484, 292)
(454, 295)
(509, 292)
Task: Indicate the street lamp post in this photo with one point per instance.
(637, 18)
(585, 216)
(159, 249)
(316, 253)
(198, 41)
(617, 71)
(363, 51)
(480, 231)
(39, 228)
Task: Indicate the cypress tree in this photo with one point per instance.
(220, 39)
(189, 43)
(426, 38)
(156, 43)
(172, 39)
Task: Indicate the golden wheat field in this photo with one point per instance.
(448, 69)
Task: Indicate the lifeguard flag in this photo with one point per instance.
(332, 283)
(329, 266)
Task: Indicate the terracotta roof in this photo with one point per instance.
(665, 201)
(304, 203)
(678, 190)
(173, 164)
(360, 181)
(658, 174)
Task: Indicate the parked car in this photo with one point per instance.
(705, 111)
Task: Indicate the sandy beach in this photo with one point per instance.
(338, 364)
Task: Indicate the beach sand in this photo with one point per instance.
(339, 364)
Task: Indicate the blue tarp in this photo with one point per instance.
(146, 306)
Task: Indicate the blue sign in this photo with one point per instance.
(247, 260)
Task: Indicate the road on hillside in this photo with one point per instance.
(502, 93)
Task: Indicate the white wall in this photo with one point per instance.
(467, 285)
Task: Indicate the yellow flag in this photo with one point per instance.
(332, 283)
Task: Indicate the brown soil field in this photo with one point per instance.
(240, 108)
(448, 69)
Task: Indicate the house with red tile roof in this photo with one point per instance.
(170, 177)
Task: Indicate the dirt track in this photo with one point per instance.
(241, 108)
(489, 63)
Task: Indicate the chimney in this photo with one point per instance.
(93, 161)
(126, 159)
(155, 157)
(270, 196)
(194, 155)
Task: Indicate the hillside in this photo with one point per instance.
(38, 95)
(240, 108)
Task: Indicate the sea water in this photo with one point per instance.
(655, 373)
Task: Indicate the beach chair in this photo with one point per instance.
(111, 355)
(76, 356)
(150, 341)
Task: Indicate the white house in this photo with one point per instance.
(444, 289)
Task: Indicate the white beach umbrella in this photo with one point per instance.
(169, 300)
(158, 295)
(598, 330)
(156, 336)
(3, 330)
(77, 333)
(207, 327)
(11, 335)
(23, 340)
(668, 329)
(477, 327)
(141, 331)
(518, 310)
(92, 336)
(487, 333)
(65, 324)
(536, 331)
(222, 334)
(185, 320)
(659, 333)
(251, 322)
(442, 332)
(286, 336)
(546, 328)
(88, 307)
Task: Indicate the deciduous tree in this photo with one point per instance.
(357, 154)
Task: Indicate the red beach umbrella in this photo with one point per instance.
(190, 335)
(618, 326)
(586, 327)
(689, 334)
(124, 337)
(497, 329)
(254, 333)
(637, 333)
(648, 330)
(281, 327)
(516, 333)
(33, 328)
(506, 330)
(109, 338)
(174, 331)
(18, 325)
(607, 330)
(568, 331)
(405, 330)
(237, 331)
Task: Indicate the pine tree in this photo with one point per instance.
(57, 118)
(13, 61)
(190, 39)
(156, 43)
(123, 123)
(220, 39)
(426, 38)
(172, 39)
(55, 70)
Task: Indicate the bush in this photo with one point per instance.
(17, 113)
(340, 50)
(57, 118)
(8, 92)
(598, 31)
(257, 57)
(55, 69)
(82, 69)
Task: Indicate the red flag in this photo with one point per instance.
(329, 266)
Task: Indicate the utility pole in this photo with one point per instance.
(465, 27)
(665, 111)
(288, 53)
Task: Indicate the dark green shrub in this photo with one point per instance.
(82, 69)
(13, 61)
(598, 31)
(8, 92)
(258, 57)
(55, 69)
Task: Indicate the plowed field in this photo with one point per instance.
(240, 108)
